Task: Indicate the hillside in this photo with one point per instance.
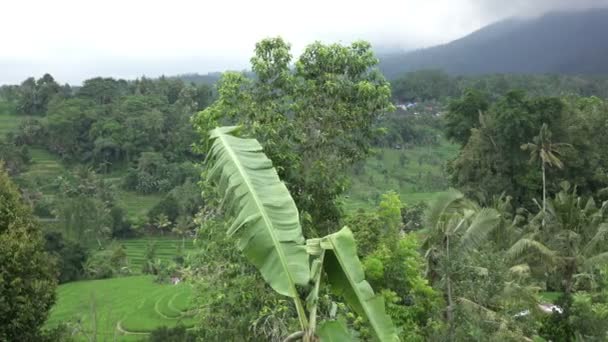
(570, 43)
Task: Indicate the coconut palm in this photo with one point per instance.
(183, 227)
(455, 227)
(548, 153)
(571, 242)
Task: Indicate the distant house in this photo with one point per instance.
(545, 308)
(406, 106)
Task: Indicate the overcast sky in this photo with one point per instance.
(78, 39)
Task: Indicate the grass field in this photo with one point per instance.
(416, 174)
(122, 309)
(166, 249)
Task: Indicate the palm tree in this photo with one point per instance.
(183, 227)
(573, 241)
(548, 153)
(456, 226)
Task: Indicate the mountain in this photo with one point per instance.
(561, 42)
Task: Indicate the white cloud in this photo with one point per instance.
(74, 40)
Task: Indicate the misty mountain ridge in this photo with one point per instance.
(559, 42)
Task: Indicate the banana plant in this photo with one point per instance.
(266, 224)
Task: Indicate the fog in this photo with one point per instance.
(75, 40)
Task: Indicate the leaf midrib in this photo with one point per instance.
(262, 210)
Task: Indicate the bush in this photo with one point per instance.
(107, 263)
(175, 334)
(168, 206)
(71, 256)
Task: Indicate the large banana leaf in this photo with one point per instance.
(333, 331)
(346, 277)
(266, 218)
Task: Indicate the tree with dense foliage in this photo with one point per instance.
(86, 209)
(393, 265)
(315, 120)
(35, 95)
(14, 157)
(71, 256)
(424, 85)
(27, 272)
(492, 161)
(463, 115)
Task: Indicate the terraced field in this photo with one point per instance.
(122, 309)
(417, 174)
(43, 170)
(166, 249)
(9, 122)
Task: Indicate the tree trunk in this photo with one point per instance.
(544, 195)
(449, 313)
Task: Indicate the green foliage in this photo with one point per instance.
(107, 263)
(27, 272)
(267, 223)
(150, 258)
(314, 122)
(167, 206)
(393, 265)
(34, 95)
(566, 240)
(437, 85)
(70, 255)
(229, 289)
(464, 114)
(492, 161)
(424, 85)
(154, 174)
(175, 334)
(84, 208)
(108, 123)
(413, 215)
(15, 157)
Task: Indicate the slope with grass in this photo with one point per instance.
(9, 121)
(166, 249)
(121, 308)
(45, 167)
(417, 174)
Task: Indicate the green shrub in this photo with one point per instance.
(175, 334)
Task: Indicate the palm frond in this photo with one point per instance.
(600, 236)
(525, 245)
(597, 260)
(441, 204)
(483, 223)
(521, 270)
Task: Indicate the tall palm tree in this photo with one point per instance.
(548, 153)
(456, 226)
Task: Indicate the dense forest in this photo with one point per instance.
(307, 199)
